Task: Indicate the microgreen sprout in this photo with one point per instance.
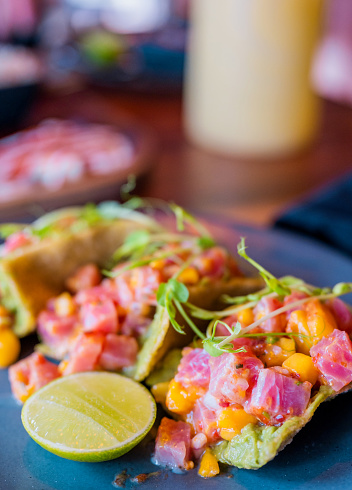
(272, 282)
(275, 288)
(212, 344)
(183, 217)
(171, 295)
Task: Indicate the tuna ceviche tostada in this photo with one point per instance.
(257, 377)
(115, 317)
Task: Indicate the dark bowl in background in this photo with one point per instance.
(15, 102)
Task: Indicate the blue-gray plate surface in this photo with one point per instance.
(320, 456)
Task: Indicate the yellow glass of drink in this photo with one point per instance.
(247, 83)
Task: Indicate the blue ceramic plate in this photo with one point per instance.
(319, 456)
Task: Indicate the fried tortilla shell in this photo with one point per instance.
(162, 337)
(30, 277)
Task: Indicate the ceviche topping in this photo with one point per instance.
(262, 363)
(100, 322)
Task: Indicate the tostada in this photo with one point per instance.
(37, 259)
(126, 318)
(266, 364)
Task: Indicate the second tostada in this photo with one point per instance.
(266, 365)
(121, 319)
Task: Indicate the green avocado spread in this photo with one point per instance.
(256, 445)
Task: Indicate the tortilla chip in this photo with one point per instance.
(257, 445)
(30, 277)
(162, 337)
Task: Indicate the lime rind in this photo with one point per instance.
(89, 417)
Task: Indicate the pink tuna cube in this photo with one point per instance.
(119, 351)
(194, 369)
(277, 397)
(100, 316)
(173, 445)
(332, 356)
(233, 376)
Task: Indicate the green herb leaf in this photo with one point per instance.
(135, 242)
(272, 282)
(128, 187)
(9, 228)
(179, 290)
(239, 300)
(205, 242)
(211, 345)
(342, 288)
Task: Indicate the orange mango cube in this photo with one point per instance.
(159, 391)
(64, 305)
(303, 366)
(190, 275)
(275, 354)
(208, 466)
(181, 400)
(313, 322)
(232, 420)
(245, 317)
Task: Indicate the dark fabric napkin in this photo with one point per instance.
(326, 215)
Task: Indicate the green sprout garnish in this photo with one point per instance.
(183, 217)
(212, 344)
(272, 282)
(8, 229)
(171, 295)
(275, 288)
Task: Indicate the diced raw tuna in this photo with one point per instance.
(173, 445)
(85, 277)
(100, 316)
(17, 240)
(232, 376)
(56, 331)
(205, 418)
(137, 285)
(30, 374)
(119, 351)
(194, 369)
(135, 324)
(265, 306)
(212, 263)
(277, 397)
(94, 295)
(85, 354)
(332, 356)
(342, 314)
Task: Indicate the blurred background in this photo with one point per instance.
(234, 109)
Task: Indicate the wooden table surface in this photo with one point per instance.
(251, 192)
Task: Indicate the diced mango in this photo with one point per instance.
(64, 305)
(276, 354)
(9, 347)
(245, 317)
(6, 319)
(313, 322)
(159, 391)
(232, 420)
(303, 366)
(190, 275)
(208, 466)
(181, 400)
(158, 264)
(62, 366)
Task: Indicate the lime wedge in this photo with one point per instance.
(95, 416)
